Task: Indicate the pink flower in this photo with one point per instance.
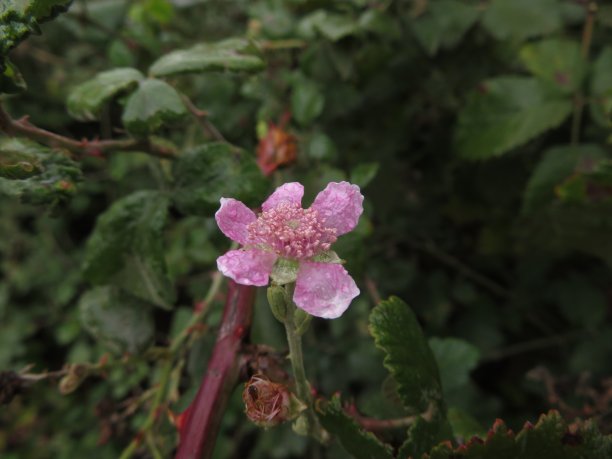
(289, 243)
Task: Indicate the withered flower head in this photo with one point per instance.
(268, 404)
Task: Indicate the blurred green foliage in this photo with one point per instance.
(478, 131)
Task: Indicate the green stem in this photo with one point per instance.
(296, 356)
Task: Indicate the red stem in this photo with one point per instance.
(203, 417)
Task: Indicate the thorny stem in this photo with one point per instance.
(579, 100)
(296, 356)
(93, 147)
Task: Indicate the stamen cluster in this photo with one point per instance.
(291, 232)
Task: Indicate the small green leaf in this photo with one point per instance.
(86, 100)
(126, 248)
(36, 174)
(556, 61)
(556, 165)
(521, 19)
(506, 112)
(407, 355)
(359, 443)
(205, 174)
(332, 26)
(119, 321)
(364, 173)
(11, 81)
(444, 24)
(154, 104)
(307, 100)
(456, 358)
(234, 54)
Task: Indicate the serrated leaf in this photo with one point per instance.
(550, 438)
(422, 436)
(126, 248)
(556, 61)
(407, 355)
(443, 25)
(234, 54)
(154, 104)
(205, 174)
(119, 321)
(364, 173)
(358, 442)
(521, 19)
(86, 100)
(307, 100)
(44, 10)
(456, 358)
(556, 165)
(36, 174)
(506, 112)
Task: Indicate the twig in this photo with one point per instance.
(202, 118)
(95, 147)
(579, 101)
(203, 417)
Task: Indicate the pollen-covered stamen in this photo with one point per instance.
(292, 232)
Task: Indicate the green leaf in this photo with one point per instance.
(307, 100)
(44, 10)
(601, 88)
(364, 173)
(153, 105)
(119, 321)
(506, 112)
(556, 165)
(36, 174)
(444, 24)
(126, 248)
(359, 443)
(332, 26)
(11, 81)
(86, 100)
(407, 355)
(234, 54)
(550, 438)
(556, 61)
(456, 358)
(205, 174)
(522, 19)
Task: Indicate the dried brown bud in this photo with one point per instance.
(10, 385)
(276, 148)
(268, 404)
(73, 379)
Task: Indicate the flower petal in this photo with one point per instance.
(233, 217)
(324, 289)
(339, 206)
(247, 267)
(289, 192)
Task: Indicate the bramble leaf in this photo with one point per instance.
(126, 248)
(601, 88)
(443, 24)
(86, 100)
(307, 100)
(505, 113)
(122, 323)
(358, 442)
(154, 104)
(234, 54)
(205, 174)
(521, 19)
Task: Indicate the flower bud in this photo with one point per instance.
(268, 404)
(73, 379)
(278, 302)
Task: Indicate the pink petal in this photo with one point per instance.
(339, 206)
(247, 267)
(289, 192)
(324, 289)
(233, 217)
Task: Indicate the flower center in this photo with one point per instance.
(292, 232)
